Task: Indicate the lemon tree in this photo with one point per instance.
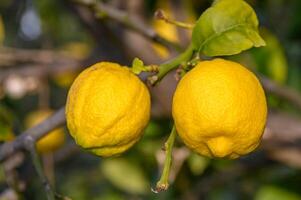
(219, 107)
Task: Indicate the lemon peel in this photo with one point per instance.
(107, 109)
(220, 109)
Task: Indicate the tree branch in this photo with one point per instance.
(34, 134)
(103, 10)
(282, 91)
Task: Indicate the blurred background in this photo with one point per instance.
(44, 44)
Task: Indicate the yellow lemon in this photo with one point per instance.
(219, 109)
(107, 109)
(53, 140)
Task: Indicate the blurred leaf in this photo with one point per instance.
(110, 196)
(58, 23)
(149, 146)
(6, 123)
(271, 59)
(226, 28)
(2, 31)
(275, 193)
(153, 129)
(2, 174)
(76, 186)
(197, 164)
(125, 175)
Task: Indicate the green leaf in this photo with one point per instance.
(6, 123)
(138, 66)
(125, 175)
(226, 28)
(270, 192)
(271, 60)
(197, 163)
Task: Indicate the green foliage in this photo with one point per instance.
(6, 132)
(125, 175)
(271, 60)
(197, 164)
(226, 28)
(275, 193)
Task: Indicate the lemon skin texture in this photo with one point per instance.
(220, 109)
(107, 109)
(53, 140)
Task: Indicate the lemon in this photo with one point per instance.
(219, 109)
(107, 109)
(53, 140)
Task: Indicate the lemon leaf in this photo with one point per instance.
(226, 28)
(270, 192)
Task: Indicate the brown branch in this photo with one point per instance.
(282, 91)
(33, 134)
(15, 57)
(36, 63)
(103, 10)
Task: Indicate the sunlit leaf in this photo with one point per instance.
(226, 28)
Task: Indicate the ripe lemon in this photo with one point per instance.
(53, 140)
(107, 109)
(219, 109)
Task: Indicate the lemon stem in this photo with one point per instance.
(163, 183)
(170, 65)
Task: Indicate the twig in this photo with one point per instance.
(160, 15)
(35, 133)
(29, 144)
(36, 63)
(172, 64)
(103, 10)
(14, 56)
(284, 92)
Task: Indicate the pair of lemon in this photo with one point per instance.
(219, 109)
